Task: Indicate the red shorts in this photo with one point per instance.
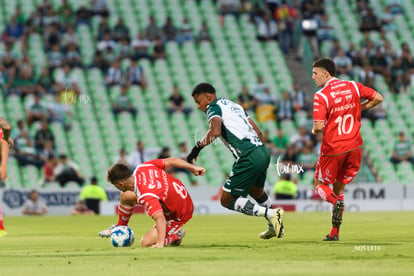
(342, 168)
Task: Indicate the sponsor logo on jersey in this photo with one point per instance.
(236, 109)
(338, 100)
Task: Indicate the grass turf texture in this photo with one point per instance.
(371, 244)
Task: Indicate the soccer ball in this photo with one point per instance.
(122, 236)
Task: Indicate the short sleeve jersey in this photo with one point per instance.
(338, 105)
(236, 131)
(158, 191)
(1, 133)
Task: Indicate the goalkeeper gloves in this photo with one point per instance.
(194, 152)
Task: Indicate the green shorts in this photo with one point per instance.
(249, 170)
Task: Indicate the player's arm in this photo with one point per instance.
(371, 103)
(4, 156)
(180, 163)
(5, 126)
(256, 128)
(161, 227)
(213, 132)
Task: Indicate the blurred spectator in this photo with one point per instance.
(177, 103)
(120, 31)
(103, 28)
(114, 76)
(141, 47)
(67, 82)
(92, 195)
(18, 132)
(66, 17)
(354, 55)
(25, 152)
(34, 205)
(343, 64)
(290, 156)
(55, 58)
(45, 82)
(318, 143)
(402, 150)
(81, 209)
(183, 155)
(42, 135)
(164, 153)
(46, 151)
(298, 97)
(50, 17)
(36, 110)
(60, 112)
(280, 141)
(122, 157)
(369, 21)
(285, 188)
(204, 34)
(135, 75)
(284, 108)
(51, 36)
(379, 112)
(70, 37)
(48, 168)
(25, 84)
(396, 6)
(308, 122)
(152, 31)
(141, 155)
(99, 7)
(185, 31)
(285, 16)
(169, 31)
(246, 100)
(66, 171)
(125, 49)
(367, 75)
(73, 57)
(336, 47)
(98, 61)
(399, 82)
(259, 87)
(325, 30)
(387, 20)
(14, 30)
(159, 50)
(267, 29)
(106, 42)
(228, 7)
(309, 26)
(20, 16)
(300, 139)
(307, 158)
(265, 110)
(83, 15)
(123, 103)
(379, 65)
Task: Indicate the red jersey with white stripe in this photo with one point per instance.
(1, 133)
(338, 105)
(158, 191)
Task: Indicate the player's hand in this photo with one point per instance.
(198, 171)
(192, 156)
(10, 142)
(3, 173)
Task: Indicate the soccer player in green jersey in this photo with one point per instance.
(244, 139)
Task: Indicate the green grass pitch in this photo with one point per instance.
(371, 244)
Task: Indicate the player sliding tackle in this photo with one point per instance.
(337, 112)
(164, 197)
(244, 139)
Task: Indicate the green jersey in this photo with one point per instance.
(236, 131)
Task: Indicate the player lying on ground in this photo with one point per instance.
(245, 141)
(164, 197)
(337, 112)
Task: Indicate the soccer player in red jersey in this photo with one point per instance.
(164, 197)
(337, 112)
(5, 142)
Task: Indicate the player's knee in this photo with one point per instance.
(144, 243)
(128, 198)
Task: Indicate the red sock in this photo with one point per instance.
(171, 238)
(334, 231)
(1, 221)
(326, 193)
(124, 213)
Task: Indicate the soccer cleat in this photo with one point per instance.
(181, 233)
(337, 213)
(2, 233)
(277, 222)
(268, 234)
(107, 232)
(329, 238)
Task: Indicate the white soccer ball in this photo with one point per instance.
(122, 236)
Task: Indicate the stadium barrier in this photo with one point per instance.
(358, 197)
